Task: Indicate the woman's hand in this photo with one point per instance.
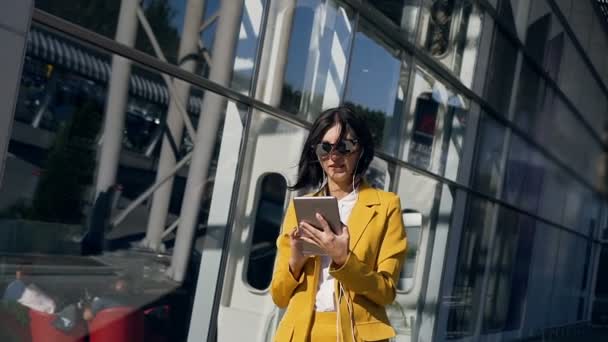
(335, 245)
(297, 259)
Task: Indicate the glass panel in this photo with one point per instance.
(100, 16)
(56, 229)
(524, 173)
(404, 13)
(413, 226)
(317, 57)
(508, 272)
(533, 101)
(488, 167)
(500, 73)
(464, 301)
(167, 20)
(376, 62)
(266, 229)
(541, 275)
(545, 38)
(423, 217)
(418, 198)
(248, 45)
(435, 125)
(449, 30)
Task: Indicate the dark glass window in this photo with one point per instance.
(488, 167)
(375, 62)
(464, 302)
(500, 74)
(266, 229)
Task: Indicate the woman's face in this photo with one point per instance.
(339, 167)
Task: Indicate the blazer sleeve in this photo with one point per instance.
(283, 282)
(378, 284)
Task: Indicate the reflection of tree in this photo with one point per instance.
(69, 168)
(290, 99)
(159, 14)
(101, 16)
(374, 119)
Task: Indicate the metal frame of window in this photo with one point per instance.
(110, 46)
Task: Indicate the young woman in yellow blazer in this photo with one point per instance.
(341, 295)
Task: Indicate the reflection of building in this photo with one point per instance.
(488, 118)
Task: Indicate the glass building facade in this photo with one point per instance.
(151, 144)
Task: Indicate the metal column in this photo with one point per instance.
(210, 117)
(274, 52)
(118, 93)
(160, 202)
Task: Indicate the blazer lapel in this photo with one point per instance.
(362, 213)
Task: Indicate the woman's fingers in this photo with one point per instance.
(310, 230)
(309, 240)
(323, 223)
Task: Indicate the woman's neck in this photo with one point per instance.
(339, 191)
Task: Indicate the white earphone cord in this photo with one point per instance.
(341, 291)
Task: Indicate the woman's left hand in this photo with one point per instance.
(335, 245)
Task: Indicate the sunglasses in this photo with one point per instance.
(343, 147)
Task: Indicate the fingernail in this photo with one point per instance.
(318, 215)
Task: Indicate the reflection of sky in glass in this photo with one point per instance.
(374, 72)
(298, 47)
(374, 75)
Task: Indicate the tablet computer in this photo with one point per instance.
(306, 209)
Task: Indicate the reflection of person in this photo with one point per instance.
(341, 295)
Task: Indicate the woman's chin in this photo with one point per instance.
(340, 177)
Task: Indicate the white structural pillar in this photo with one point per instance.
(274, 54)
(118, 93)
(211, 114)
(179, 99)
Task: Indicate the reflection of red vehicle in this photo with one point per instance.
(117, 324)
(43, 331)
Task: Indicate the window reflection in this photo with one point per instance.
(413, 227)
(450, 30)
(488, 167)
(437, 38)
(464, 301)
(377, 82)
(318, 52)
(435, 125)
(500, 73)
(403, 13)
(272, 193)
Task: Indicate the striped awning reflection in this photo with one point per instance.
(62, 52)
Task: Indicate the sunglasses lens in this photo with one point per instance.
(323, 149)
(346, 147)
(343, 147)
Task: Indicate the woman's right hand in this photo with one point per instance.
(297, 259)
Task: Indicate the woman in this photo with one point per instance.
(341, 295)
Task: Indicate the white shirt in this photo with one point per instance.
(325, 291)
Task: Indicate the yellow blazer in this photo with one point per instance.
(377, 251)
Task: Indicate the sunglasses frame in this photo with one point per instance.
(334, 148)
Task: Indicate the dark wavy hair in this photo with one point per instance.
(310, 173)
